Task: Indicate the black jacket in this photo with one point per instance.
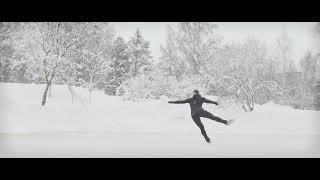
(195, 103)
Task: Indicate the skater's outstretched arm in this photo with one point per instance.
(180, 102)
(209, 101)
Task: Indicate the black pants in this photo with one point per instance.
(205, 114)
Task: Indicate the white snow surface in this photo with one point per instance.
(111, 127)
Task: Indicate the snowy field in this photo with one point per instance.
(110, 127)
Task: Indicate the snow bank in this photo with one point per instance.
(21, 112)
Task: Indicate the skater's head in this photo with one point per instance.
(195, 91)
(196, 94)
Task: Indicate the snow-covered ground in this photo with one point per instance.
(110, 127)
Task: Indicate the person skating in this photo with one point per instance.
(197, 112)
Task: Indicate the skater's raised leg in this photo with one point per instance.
(198, 122)
(208, 115)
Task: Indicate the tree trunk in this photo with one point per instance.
(71, 92)
(244, 108)
(251, 107)
(90, 88)
(48, 80)
(44, 96)
(247, 107)
(251, 103)
(90, 95)
(49, 93)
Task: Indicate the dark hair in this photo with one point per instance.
(196, 91)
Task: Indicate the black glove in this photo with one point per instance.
(216, 103)
(170, 102)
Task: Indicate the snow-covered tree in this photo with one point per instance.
(155, 84)
(52, 44)
(316, 99)
(93, 63)
(140, 54)
(6, 54)
(171, 60)
(310, 67)
(93, 56)
(197, 43)
(12, 57)
(4, 35)
(244, 76)
(191, 47)
(7, 33)
(317, 88)
(119, 65)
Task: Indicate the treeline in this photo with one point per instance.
(77, 54)
(248, 72)
(194, 56)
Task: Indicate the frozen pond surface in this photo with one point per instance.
(158, 145)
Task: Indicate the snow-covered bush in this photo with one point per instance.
(155, 85)
(184, 88)
(316, 97)
(136, 88)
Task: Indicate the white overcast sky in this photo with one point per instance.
(300, 33)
